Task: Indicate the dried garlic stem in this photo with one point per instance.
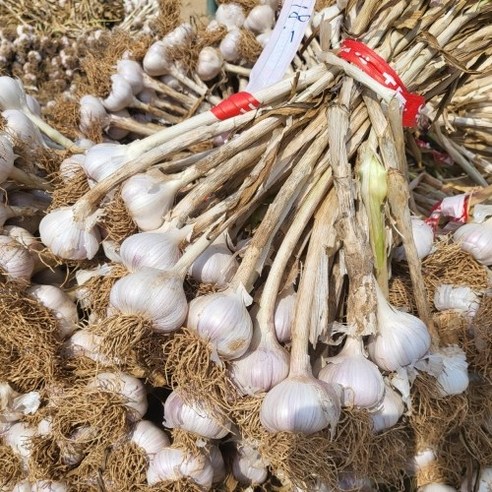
(29, 179)
(361, 302)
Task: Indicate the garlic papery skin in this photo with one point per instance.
(453, 379)
(48, 486)
(60, 303)
(401, 340)
(13, 405)
(18, 437)
(484, 482)
(248, 467)
(68, 238)
(130, 388)
(173, 464)
(23, 486)
(284, 314)
(7, 158)
(260, 19)
(92, 111)
(209, 63)
(300, 403)
(217, 462)
(152, 250)
(148, 198)
(476, 239)
(15, 260)
(71, 167)
(229, 45)
(390, 411)
(156, 295)
(262, 367)
(362, 383)
(423, 237)
(149, 437)
(458, 298)
(216, 265)
(223, 320)
(180, 413)
(421, 460)
(87, 344)
(230, 15)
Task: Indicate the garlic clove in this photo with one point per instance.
(300, 404)
(149, 437)
(390, 411)
(192, 417)
(68, 238)
(458, 298)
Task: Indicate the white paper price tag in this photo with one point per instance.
(282, 46)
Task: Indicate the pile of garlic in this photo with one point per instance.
(238, 328)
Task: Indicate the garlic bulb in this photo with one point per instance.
(130, 388)
(362, 383)
(156, 295)
(217, 462)
(22, 129)
(401, 340)
(92, 111)
(436, 487)
(23, 486)
(15, 261)
(390, 411)
(14, 406)
(152, 250)
(230, 15)
(87, 344)
(209, 63)
(260, 19)
(284, 314)
(458, 298)
(264, 37)
(192, 417)
(148, 198)
(121, 95)
(476, 239)
(149, 437)
(12, 95)
(222, 319)
(453, 379)
(484, 482)
(173, 464)
(18, 437)
(68, 238)
(300, 404)
(7, 158)
(421, 460)
(248, 467)
(104, 159)
(131, 71)
(423, 237)
(229, 45)
(71, 167)
(56, 300)
(48, 486)
(216, 265)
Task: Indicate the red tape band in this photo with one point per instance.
(376, 67)
(238, 103)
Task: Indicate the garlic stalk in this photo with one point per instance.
(401, 339)
(362, 383)
(181, 413)
(476, 239)
(458, 298)
(13, 97)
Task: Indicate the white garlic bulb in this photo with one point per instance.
(229, 46)
(230, 15)
(87, 344)
(22, 129)
(23, 486)
(68, 238)
(436, 487)
(248, 467)
(12, 95)
(131, 71)
(18, 437)
(260, 19)
(15, 260)
(156, 295)
(121, 95)
(217, 462)
(300, 404)
(152, 250)
(223, 320)
(390, 411)
(423, 237)
(484, 482)
(48, 486)
(264, 37)
(130, 388)
(7, 158)
(401, 340)
(149, 437)
(71, 167)
(421, 460)
(458, 298)
(56, 300)
(453, 379)
(476, 239)
(362, 383)
(209, 63)
(156, 60)
(92, 111)
(284, 314)
(148, 198)
(216, 265)
(104, 159)
(193, 417)
(173, 464)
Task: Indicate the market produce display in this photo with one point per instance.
(220, 274)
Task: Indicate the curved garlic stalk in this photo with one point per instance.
(247, 465)
(362, 383)
(174, 464)
(180, 413)
(401, 340)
